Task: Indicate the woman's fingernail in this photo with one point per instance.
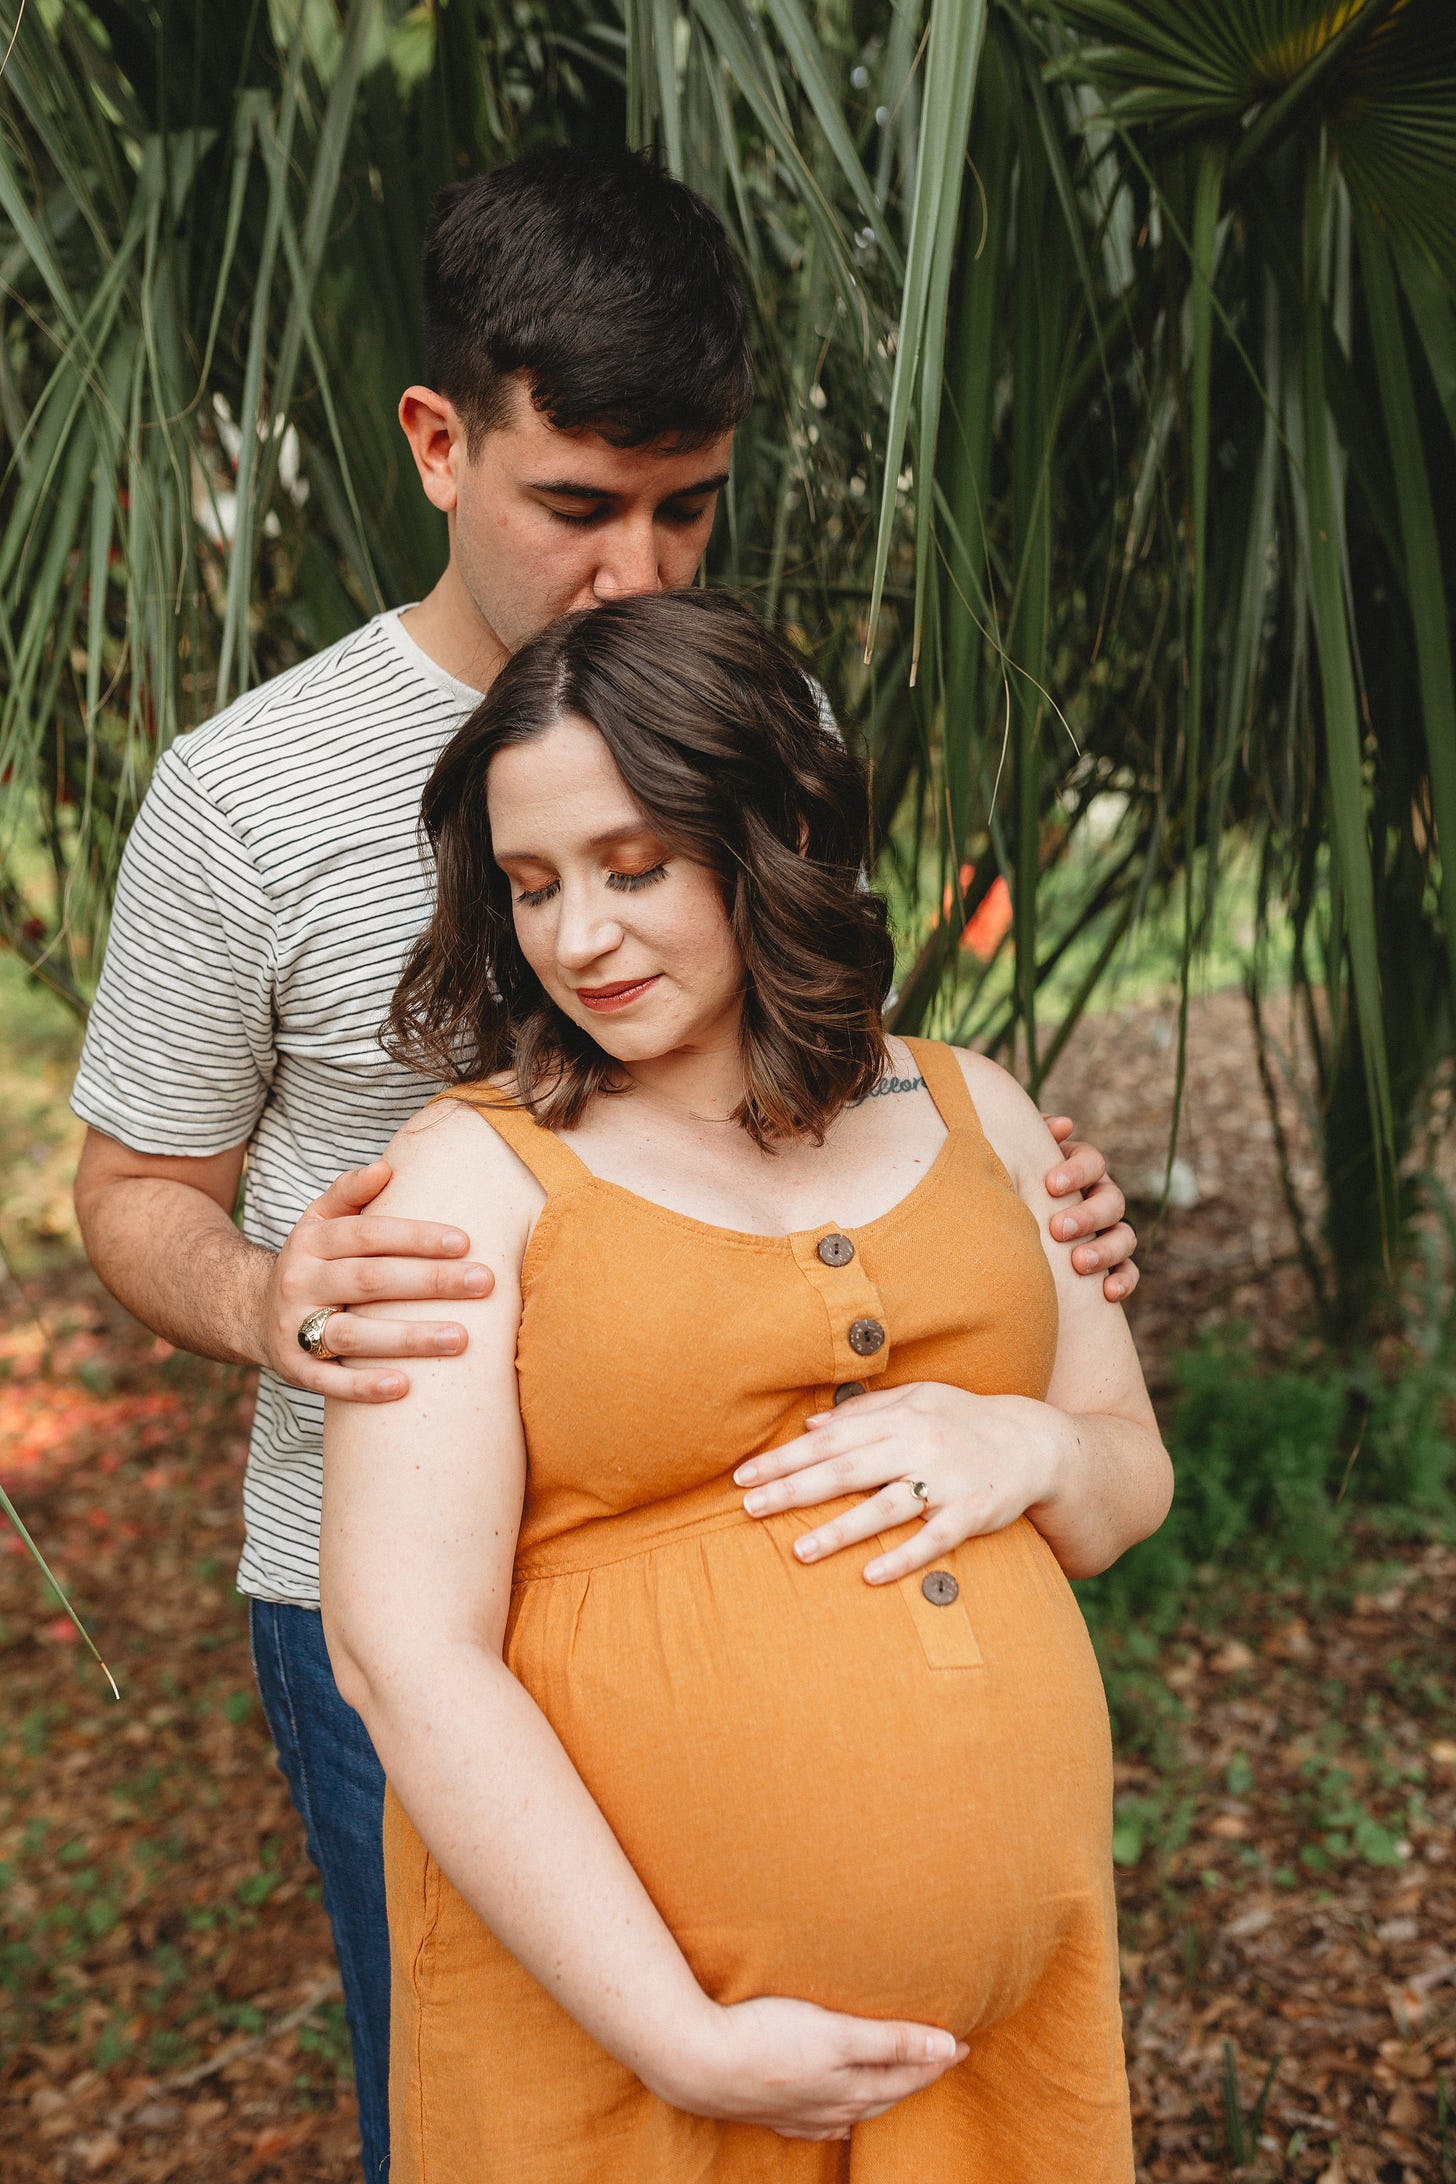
(448, 1340)
(818, 1418)
(454, 1239)
(753, 1503)
(874, 1571)
(475, 1280)
(806, 1549)
(939, 2047)
(391, 1384)
(745, 1475)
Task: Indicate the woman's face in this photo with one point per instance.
(629, 939)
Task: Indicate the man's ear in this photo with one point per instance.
(434, 428)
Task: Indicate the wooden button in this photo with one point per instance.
(835, 1250)
(865, 1337)
(850, 1387)
(939, 1588)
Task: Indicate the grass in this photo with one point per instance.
(1277, 1470)
(1145, 966)
(39, 1137)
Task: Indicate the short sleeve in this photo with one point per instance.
(179, 1049)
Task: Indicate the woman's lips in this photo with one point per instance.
(604, 999)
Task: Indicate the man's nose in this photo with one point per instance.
(628, 565)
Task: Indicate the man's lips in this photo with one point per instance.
(619, 996)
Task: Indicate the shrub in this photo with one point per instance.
(1271, 1467)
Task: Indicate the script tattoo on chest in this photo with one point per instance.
(889, 1085)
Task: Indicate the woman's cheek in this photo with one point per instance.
(534, 943)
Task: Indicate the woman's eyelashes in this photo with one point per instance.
(626, 883)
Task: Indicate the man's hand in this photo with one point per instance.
(159, 1231)
(338, 1255)
(1098, 1215)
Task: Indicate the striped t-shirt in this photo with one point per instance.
(271, 888)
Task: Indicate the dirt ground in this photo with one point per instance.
(168, 2008)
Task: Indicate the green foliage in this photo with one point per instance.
(1103, 458)
(1241, 2130)
(209, 230)
(1271, 1469)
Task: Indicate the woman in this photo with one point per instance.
(703, 1852)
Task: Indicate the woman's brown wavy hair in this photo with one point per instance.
(715, 728)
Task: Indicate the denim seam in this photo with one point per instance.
(300, 1762)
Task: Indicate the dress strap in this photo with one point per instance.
(945, 1082)
(554, 1165)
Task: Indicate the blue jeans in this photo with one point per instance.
(337, 1786)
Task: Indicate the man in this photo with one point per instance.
(587, 366)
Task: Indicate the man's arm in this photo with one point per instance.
(159, 1231)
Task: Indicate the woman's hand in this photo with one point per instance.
(804, 2072)
(984, 1460)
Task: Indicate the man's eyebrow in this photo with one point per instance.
(572, 489)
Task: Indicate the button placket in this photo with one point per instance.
(858, 1327)
(937, 1606)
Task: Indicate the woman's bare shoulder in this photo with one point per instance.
(1010, 1118)
(450, 1165)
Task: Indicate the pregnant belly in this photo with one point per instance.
(848, 1793)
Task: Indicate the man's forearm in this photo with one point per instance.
(179, 1265)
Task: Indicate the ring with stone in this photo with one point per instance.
(312, 1335)
(921, 1492)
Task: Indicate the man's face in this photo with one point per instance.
(547, 521)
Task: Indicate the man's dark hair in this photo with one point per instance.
(715, 728)
(607, 284)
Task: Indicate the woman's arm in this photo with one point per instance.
(1108, 1481)
(422, 1504)
(1087, 1466)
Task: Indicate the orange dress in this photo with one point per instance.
(886, 1800)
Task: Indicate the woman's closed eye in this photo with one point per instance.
(629, 881)
(625, 882)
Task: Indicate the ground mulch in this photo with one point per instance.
(1286, 1807)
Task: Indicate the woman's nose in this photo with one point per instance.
(628, 566)
(586, 930)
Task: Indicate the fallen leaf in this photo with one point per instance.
(1404, 2112)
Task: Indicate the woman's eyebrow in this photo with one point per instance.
(637, 831)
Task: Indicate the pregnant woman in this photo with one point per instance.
(715, 1852)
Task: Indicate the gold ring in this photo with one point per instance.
(312, 1331)
(921, 1492)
